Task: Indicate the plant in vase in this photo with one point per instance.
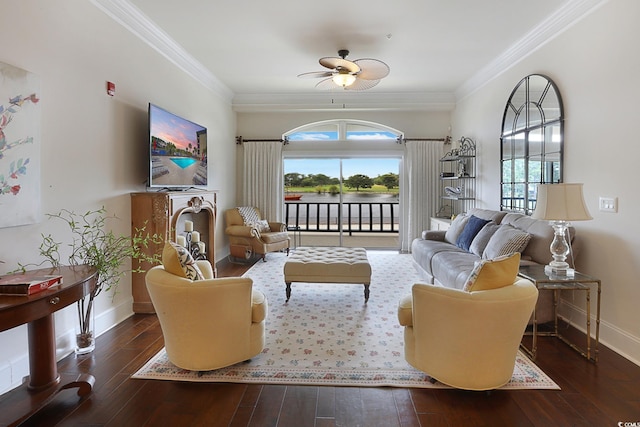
(92, 244)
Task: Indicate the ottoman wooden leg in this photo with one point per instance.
(288, 291)
(366, 293)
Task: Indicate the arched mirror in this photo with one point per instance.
(531, 144)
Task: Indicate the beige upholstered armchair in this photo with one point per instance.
(207, 324)
(467, 340)
(249, 233)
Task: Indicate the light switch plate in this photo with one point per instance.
(608, 204)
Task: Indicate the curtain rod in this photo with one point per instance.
(400, 140)
(240, 140)
(446, 140)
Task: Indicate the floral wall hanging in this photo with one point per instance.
(19, 147)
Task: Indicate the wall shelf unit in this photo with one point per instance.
(458, 179)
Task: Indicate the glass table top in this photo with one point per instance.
(536, 273)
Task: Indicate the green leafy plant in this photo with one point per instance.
(92, 244)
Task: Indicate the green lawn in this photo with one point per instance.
(325, 188)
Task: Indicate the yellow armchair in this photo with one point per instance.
(246, 237)
(467, 340)
(208, 324)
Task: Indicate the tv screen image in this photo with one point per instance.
(178, 151)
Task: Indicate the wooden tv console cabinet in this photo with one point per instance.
(165, 213)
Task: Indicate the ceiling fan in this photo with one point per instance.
(360, 74)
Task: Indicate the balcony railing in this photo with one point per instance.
(355, 217)
(518, 204)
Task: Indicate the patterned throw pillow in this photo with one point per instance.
(177, 260)
(249, 214)
(493, 273)
(506, 240)
(252, 219)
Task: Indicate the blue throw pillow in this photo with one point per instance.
(473, 226)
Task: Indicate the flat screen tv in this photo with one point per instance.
(177, 151)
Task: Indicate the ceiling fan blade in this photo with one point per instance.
(316, 74)
(372, 69)
(334, 63)
(361, 84)
(326, 84)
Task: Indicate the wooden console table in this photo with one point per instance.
(37, 311)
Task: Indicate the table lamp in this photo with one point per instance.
(560, 204)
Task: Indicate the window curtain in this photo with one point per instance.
(263, 184)
(421, 192)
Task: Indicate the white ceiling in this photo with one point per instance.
(252, 51)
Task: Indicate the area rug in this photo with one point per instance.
(327, 335)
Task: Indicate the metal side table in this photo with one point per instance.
(296, 234)
(580, 282)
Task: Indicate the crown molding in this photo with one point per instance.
(130, 17)
(146, 30)
(360, 101)
(547, 30)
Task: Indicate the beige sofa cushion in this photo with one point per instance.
(488, 214)
(275, 237)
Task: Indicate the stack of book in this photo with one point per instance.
(27, 284)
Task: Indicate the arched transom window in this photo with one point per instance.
(342, 130)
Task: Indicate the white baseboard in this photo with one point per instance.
(65, 341)
(13, 373)
(622, 342)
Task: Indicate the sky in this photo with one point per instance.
(331, 167)
(172, 128)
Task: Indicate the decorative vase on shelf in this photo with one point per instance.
(85, 327)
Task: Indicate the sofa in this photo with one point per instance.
(446, 258)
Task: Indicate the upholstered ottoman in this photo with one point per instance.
(328, 265)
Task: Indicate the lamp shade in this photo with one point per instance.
(561, 202)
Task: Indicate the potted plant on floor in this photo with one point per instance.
(92, 244)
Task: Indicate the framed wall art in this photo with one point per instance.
(19, 147)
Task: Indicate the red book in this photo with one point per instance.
(27, 284)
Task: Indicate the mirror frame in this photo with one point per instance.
(531, 142)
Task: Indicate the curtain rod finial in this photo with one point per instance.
(239, 140)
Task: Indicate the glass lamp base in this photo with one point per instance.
(551, 270)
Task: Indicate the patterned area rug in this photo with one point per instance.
(326, 335)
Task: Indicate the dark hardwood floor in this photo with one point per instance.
(601, 394)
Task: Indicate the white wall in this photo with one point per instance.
(94, 147)
(595, 64)
(415, 124)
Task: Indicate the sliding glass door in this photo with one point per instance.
(349, 202)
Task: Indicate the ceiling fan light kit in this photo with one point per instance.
(343, 79)
(360, 74)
